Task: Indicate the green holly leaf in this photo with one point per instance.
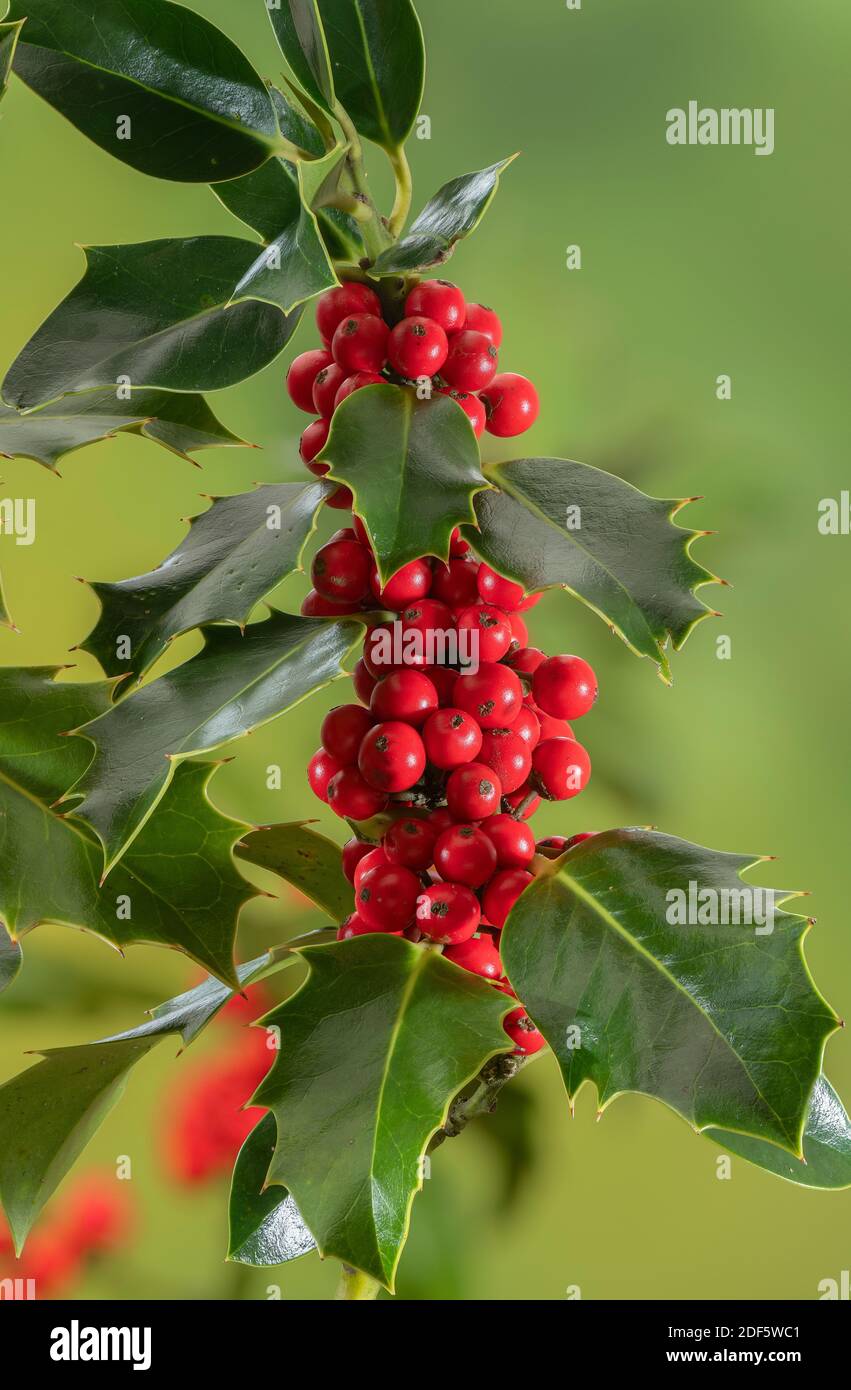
(388, 1033)
(413, 467)
(49, 1112)
(181, 423)
(266, 1227)
(298, 29)
(309, 861)
(609, 953)
(178, 887)
(238, 682)
(452, 214)
(150, 82)
(9, 35)
(11, 959)
(233, 556)
(827, 1145)
(557, 523)
(154, 314)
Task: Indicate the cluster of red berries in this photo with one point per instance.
(95, 1219)
(461, 753)
(440, 337)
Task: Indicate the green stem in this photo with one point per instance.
(481, 1100)
(376, 237)
(404, 191)
(354, 1284)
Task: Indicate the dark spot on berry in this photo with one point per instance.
(486, 620)
(487, 708)
(351, 327)
(440, 909)
(417, 331)
(457, 721)
(364, 895)
(485, 788)
(492, 352)
(382, 743)
(465, 832)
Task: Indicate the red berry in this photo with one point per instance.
(527, 726)
(502, 893)
(452, 738)
(565, 687)
(473, 792)
(472, 362)
(464, 855)
(313, 441)
(455, 584)
(493, 694)
(406, 695)
(443, 679)
(530, 601)
(519, 631)
(493, 588)
(378, 650)
(471, 406)
(315, 605)
(352, 798)
(432, 622)
(303, 373)
(376, 859)
(516, 799)
(340, 571)
(556, 842)
(354, 851)
(417, 347)
(440, 820)
(508, 755)
(360, 344)
(337, 304)
(408, 584)
(321, 768)
(343, 731)
(438, 300)
(325, 388)
(363, 682)
(387, 898)
(523, 1033)
(561, 768)
(361, 532)
(490, 629)
(512, 405)
(392, 757)
(341, 500)
(356, 383)
(528, 659)
(354, 925)
(578, 839)
(448, 912)
(411, 844)
(549, 727)
(478, 954)
(512, 839)
(457, 544)
(481, 319)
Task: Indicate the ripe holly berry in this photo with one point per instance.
(378, 650)
(527, 726)
(360, 344)
(464, 855)
(321, 768)
(337, 304)
(438, 300)
(352, 798)
(428, 617)
(376, 859)
(315, 605)
(564, 687)
(516, 799)
(491, 629)
(457, 544)
(406, 695)
(361, 532)
(527, 660)
(443, 679)
(478, 954)
(554, 842)
(493, 694)
(354, 925)
(452, 738)
(313, 441)
(481, 319)
(354, 851)
(550, 728)
(303, 373)
(512, 839)
(502, 893)
(440, 820)
(343, 731)
(448, 913)
(512, 405)
(341, 500)
(356, 383)
(493, 588)
(508, 755)
(523, 1033)
(363, 682)
(578, 839)
(471, 363)
(519, 631)
(325, 388)
(408, 584)
(387, 898)
(411, 844)
(455, 584)
(392, 757)
(471, 406)
(473, 792)
(561, 768)
(340, 571)
(417, 347)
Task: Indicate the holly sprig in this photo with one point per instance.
(105, 774)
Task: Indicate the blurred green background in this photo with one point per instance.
(695, 262)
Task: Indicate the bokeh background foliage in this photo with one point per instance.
(694, 262)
